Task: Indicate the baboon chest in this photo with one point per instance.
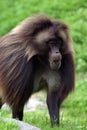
(47, 78)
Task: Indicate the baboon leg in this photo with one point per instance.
(54, 108)
(17, 113)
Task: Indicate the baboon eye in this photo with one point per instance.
(57, 41)
(51, 41)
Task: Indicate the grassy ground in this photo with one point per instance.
(74, 13)
(7, 125)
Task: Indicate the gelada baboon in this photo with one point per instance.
(39, 50)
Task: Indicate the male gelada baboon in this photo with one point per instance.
(39, 50)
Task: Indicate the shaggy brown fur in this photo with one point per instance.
(26, 61)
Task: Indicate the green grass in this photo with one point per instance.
(7, 125)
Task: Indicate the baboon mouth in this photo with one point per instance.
(54, 66)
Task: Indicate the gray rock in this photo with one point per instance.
(22, 125)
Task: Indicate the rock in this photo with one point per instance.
(22, 125)
(5, 106)
(33, 104)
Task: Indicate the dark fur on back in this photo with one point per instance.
(15, 74)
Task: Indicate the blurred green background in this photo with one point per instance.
(73, 13)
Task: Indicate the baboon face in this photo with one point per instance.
(51, 43)
(45, 37)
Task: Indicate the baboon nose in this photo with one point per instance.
(57, 58)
